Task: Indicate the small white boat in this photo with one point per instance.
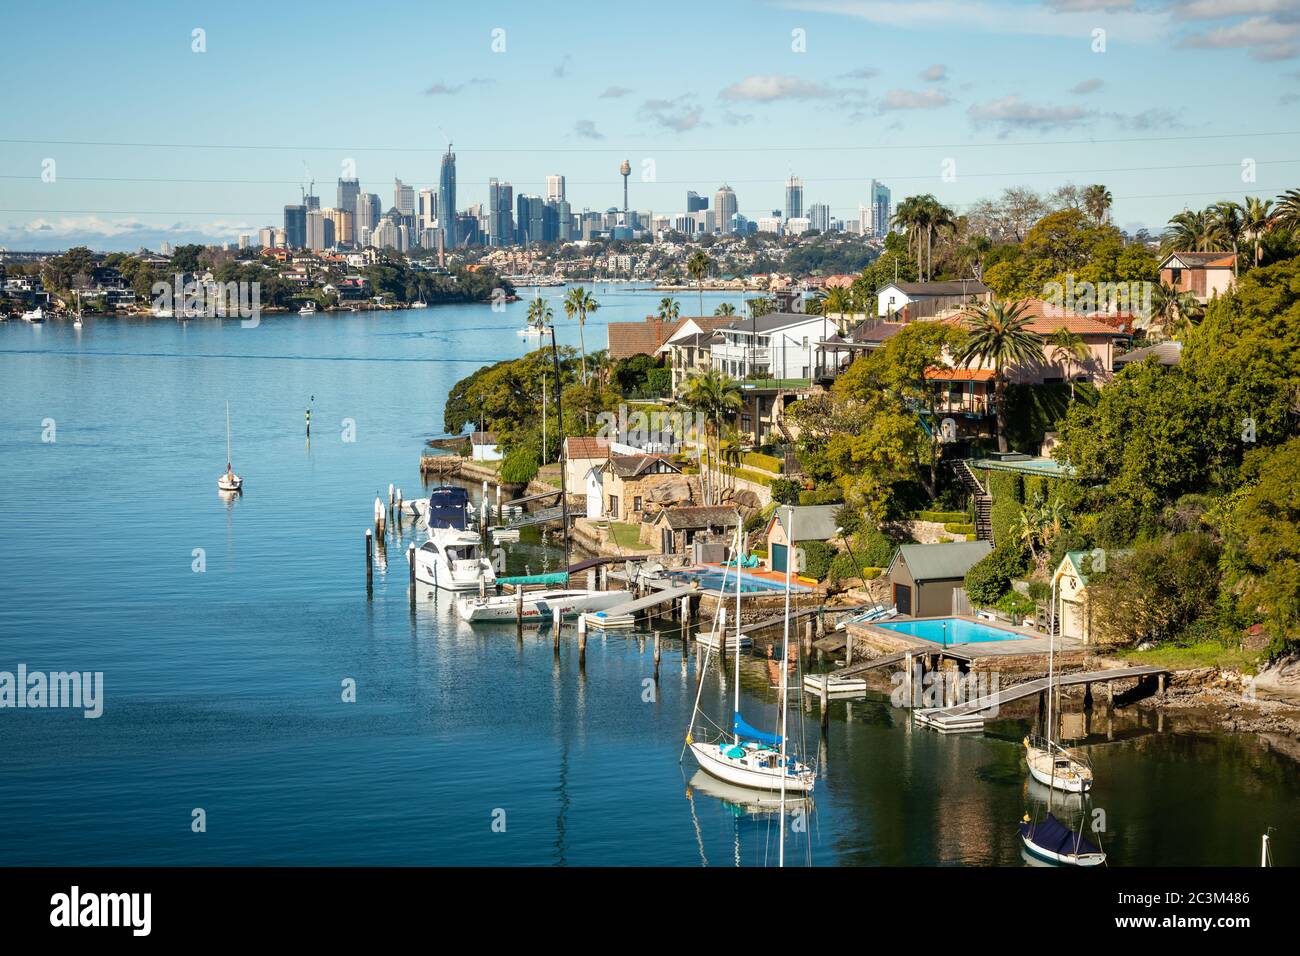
(1054, 766)
(1052, 841)
(756, 765)
(229, 481)
(746, 799)
(834, 686)
(875, 614)
(538, 606)
(531, 330)
(35, 316)
(453, 559)
(710, 640)
(308, 309)
(419, 304)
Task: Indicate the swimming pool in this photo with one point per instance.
(710, 579)
(951, 630)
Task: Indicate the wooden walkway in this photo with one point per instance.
(624, 615)
(970, 715)
(535, 517)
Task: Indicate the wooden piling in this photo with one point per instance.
(657, 651)
(555, 626)
(410, 559)
(519, 612)
(582, 641)
(370, 560)
(826, 709)
(1087, 697)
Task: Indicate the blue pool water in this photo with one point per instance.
(951, 630)
(711, 579)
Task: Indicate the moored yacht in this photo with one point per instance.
(538, 606)
(453, 558)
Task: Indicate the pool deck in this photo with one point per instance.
(1028, 643)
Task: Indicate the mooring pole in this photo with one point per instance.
(555, 626)
(370, 561)
(519, 612)
(410, 557)
(582, 641)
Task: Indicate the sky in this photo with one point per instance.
(122, 132)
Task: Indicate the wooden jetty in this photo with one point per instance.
(624, 615)
(964, 718)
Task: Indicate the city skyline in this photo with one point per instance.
(920, 112)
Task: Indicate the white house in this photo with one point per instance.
(484, 447)
(923, 300)
(580, 453)
(781, 345)
(594, 485)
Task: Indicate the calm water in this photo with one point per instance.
(223, 687)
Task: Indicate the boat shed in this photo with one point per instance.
(922, 577)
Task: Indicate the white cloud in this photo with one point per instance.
(1221, 9)
(1085, 87)
(586, 129)
(1013, 113)
(767, 88)
(914, 100)
(934, 74)
(615, 93)
(679, 115)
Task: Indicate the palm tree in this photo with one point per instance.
(1256, 219)
(725, 308)
(1286, 214)
(1193, 232)
(998, 335)
(1230, 219)
(1067, 348)
(1097, 200)
(839, 301)
(669, 310)
(716, 397)
(539, 313)
(1172, 312)
(913, 214)
(937, 217)
(581, 303)
(698, 266)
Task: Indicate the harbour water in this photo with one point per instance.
(223, 686)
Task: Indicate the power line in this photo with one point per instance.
(657, 147)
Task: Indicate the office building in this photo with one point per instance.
(724, 206)
(793, 198)
(403, 198)
(447, 198)
(343, 225)
(554, 188)
(879, 204)
(348, 191)
(295, 226)
(427, 209)
(819, 214)
(501, 220)
(695, 202)
(367, 217)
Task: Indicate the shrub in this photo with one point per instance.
(958, 527)
(764, 462)
(821, 495)
(659, 381)
(1016, 605)
(990, 578)
(940, 517)
(874, 548)
(849, 518)
(520, 466)
(843, 567)
(785, 491)
(1008, 494)
(817, 557)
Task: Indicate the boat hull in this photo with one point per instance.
(1062, 859)
(712, 761)
(538, 608)
(1075, 779)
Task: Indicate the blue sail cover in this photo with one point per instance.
(743, 729)
(447, 508)
(1052, 834)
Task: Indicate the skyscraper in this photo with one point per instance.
(404, 198)
(367, 216)
(295, 226)
(427, 208)
(879, 201)
(447, 199)
(793, 198)
(724, 207)
(554, 187)
(348, 191)
(695, 202)
(819, 216)
(501, 223)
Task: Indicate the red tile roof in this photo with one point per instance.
(585, 447)
(1046, 318)
(637, 338)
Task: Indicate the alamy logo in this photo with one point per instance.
(1071, 296)
(655, 432)
(78, 690)
(215, 300)
(103, 909)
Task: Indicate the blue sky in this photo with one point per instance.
(1011, 92)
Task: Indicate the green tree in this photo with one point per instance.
(998, 335)
(698, 267)
(578, 301)
(717, 398)
(1267, 526)
(669, 310)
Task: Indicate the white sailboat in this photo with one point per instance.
(229, 481)
(753, 758)
(1049, 763)
(538, 606)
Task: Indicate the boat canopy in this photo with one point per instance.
(1051, 834)
(558, 577)
(447, 507)
(743, 729)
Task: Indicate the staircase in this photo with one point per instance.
(983, 501)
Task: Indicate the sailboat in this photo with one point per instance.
(230, 481)
(1051, 840)
(753, 758)
(1049, 763)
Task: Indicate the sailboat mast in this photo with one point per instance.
(1051, 663)
(227, 436)
(735, 737)
(784, 763)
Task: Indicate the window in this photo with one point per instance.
(636, 504)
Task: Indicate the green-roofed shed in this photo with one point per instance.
(922, 577)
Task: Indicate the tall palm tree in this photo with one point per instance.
(726, 308)
(913, 214)
(998, 335)
(1286, 211)
(838, 300)
(669, 309)
(1097, 200)
(539, 313)
(1230, 219)
(698, 266)
(1256, 219)
(1068, 348)
(581, 303)
(716, 397)
(1190, 231)
(1172, 313)
(937, 217)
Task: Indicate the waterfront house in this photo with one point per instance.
(908, 301)
(1072, 591)
(811, 523)
(627, 482)
(653, 335)
(483, 447)
(1203, 274)
(579, 455)
(674, 530)
(923, 577)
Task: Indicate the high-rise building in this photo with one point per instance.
(501, 222)
(348, 191)
(367, 215)
(447, 198)
(695, 202)
(724, 207)
(427, 209)
(343, 225)
(295, 226)
(564, 220)
(266, 237)
(793, 198)
(403, 198)
(797, 226)
(819, 214)
(310, 201)
(879, 208)
(554, 188)
(320, 230)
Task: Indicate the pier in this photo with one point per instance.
(625, 614)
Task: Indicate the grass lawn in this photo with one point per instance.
(1197, 655)
(627, 536)
(551, 475)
